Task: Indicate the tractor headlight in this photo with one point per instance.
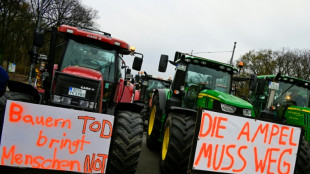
(92, 104)
(227, 108)
(65, 100)
(56, 98)
(84, 103)
(247, 112)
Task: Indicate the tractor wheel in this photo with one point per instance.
(154, 125)
(176, 147)
(17, 96)
(126, 143)
(9, 95)
(303, 160)
(144, 114)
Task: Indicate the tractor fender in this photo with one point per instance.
(25, 89)
(186, 111)
(162, 99)
(133, 107)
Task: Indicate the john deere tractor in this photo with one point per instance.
(284, 99)
(198, 83)
(148, 84)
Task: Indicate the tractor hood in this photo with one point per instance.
(83, 72)
(226, 98)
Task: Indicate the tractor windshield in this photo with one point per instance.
(208, 78)
(89, 56)
(291, 94)
(156, 84)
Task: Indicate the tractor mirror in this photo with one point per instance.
(253, 82)
(260, 87)
(137, 63)
(163, 62)
(38, 39)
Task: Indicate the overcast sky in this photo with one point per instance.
(158, 27)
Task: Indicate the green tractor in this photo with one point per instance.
(198, 83)
(284, 99)
(147, 85)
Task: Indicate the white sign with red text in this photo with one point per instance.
(232, 144)
(46, 137)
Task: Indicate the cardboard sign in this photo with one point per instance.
(46, 137)
(232, 144)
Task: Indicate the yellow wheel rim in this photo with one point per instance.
(152, 120)
(165, 144)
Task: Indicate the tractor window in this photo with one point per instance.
(155, 84)
(92, 57)
(208, 78)
(291, 94)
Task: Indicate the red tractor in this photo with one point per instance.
(84, 72)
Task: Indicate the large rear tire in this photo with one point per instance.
(303, 160)
(154, 125)
(176, 147)
(126, 143)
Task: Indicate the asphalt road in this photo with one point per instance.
(149, 160)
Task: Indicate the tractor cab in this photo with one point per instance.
(148, 83)
(201, 82)
(89, 69)
(282, 98)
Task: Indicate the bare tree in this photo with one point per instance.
(69, 12)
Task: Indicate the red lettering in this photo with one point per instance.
(206, 152)
(245, 131)
(261, 130)
(220, 127)
(216, 167)
(28, 119)
(201, 134)
(48, 122)
(86, 118)
(8, 155)
(242, 158)
(285, 164)
(274, 131)
(230, 156)
(281, 142)
(271, 160)
(291, 138)
(96, 129)
(261, 164)
(95, 164)
(15, 112)
(41, 137)
(104, 122)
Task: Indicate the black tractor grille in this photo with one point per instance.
(64, 82)
(217, 108)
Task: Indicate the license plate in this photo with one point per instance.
(77, 92)
(274, 85)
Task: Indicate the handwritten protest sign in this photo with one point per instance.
(46, 137)
(231, 144)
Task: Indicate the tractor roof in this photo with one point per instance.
(288, 79)
(203, 62)
(143, 75)
(95, 35)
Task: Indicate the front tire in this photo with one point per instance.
(303, 160)
(126, 143)
(176, 147)
(154, 125)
